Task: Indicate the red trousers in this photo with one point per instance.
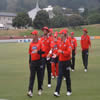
(54, 68)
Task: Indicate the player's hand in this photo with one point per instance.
(48, 55)
(59, 51)
(54, 56)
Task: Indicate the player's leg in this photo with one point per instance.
(31, 81)
(73, 60)
(43, 69)
(53, 69)
(68, 79)
(57, 69)
(86, 59)
(39, 80)
(49, 73)
(59, 80)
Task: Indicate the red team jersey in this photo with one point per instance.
(34, 46)
(54, 46)
(69, 38)
(50, 38)
(85, 42)
(65, 47)
(73, 43)
(45, 45)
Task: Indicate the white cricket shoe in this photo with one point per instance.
(85, 70)
(53, 77)
(49, 85)
(56, 94)
(73, 70)
(64, 79)
(30, 94)
(39, 92)
(69, 93)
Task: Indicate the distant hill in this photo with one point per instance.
(26, 5)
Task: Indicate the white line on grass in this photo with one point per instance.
(3, 99)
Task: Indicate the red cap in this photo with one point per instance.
(34, 32)
(56, 34)
(51, 30)
(72, 33)
(63, 31)
(60, 32)
(45, 28)
(85, 30)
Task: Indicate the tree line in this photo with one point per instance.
(60, 19)
(26, 5)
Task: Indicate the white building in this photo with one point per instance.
(81, 10)
(32, 14)
(49, 9)
(6, 19)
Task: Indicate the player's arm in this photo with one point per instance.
(65, 52)
(75, 46)
(40, 50)
(89, 42)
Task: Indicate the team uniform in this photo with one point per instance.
(85, 43)
(45, 47)
(54, 60)
(73, 46)
(35, 63)
(64, 67)
(69, 38)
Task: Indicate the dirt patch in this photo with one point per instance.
(14, 32)
(14, 37)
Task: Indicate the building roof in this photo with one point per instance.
(49, 8)
(7, 14)
(34, 11)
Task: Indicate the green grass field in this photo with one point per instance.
(94, 30)
(14, 75)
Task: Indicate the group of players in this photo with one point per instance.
(57, 53)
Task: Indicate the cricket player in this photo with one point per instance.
(45, 47)
(54, 58)
(74, 47)
(34, 64)
(85, 44)
(64, 54)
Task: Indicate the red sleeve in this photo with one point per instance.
(81, 42)
(89, 42)
(67, 52)
(75, 43)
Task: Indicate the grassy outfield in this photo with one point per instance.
(14, 75)
(94, 30)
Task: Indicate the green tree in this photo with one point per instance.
(41, 19)
(75, 20)
(59, 21)
(57, 10)
(22, 20)
(94, 18)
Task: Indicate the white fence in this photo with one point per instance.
(27, 40)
